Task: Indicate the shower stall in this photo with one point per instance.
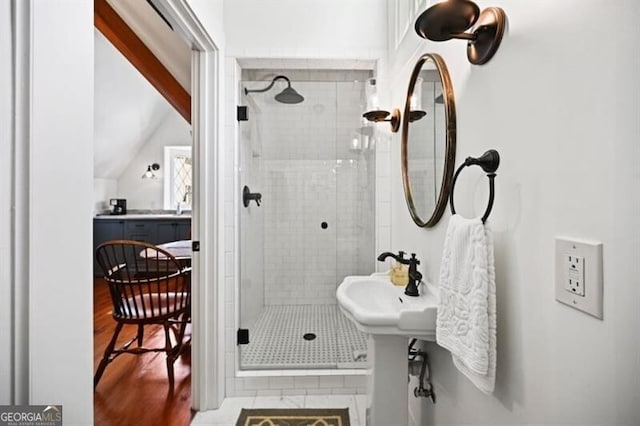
(307, 161)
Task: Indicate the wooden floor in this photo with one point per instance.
(134, 389)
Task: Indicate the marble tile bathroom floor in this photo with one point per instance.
(277, 339)
(229, 411)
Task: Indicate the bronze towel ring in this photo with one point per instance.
(489, 161)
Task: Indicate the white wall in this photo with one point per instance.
(6, 81)
(60, 168)
(128, 110)
(311, 29)
(148, 193)
(210, 13)
(560, 102)
(103, 190)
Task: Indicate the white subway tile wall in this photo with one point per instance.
(318, 190)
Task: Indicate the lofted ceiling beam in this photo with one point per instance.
(111, 25)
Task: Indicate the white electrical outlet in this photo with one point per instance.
(579, 274)
(574, 274)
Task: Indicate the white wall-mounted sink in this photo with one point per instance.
(391, 318)
(376, 306)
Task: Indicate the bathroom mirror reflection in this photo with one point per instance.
(428, 140)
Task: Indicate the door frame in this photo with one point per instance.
(207, 359)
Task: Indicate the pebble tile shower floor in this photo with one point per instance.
(277, 339)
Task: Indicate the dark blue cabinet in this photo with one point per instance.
(153, 231)
(105, 230)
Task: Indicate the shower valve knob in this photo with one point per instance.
(247, 196)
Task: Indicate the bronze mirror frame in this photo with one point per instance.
(450, 140)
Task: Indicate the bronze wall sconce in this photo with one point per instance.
(378, 116)
(450, 19)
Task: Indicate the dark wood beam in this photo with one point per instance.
(109, 23)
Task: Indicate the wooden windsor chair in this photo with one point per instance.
(148, 286)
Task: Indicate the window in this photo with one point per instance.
(177, 177)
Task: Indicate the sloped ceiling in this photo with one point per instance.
(170, 49)
(128, 110)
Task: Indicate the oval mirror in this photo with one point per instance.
(428, 140)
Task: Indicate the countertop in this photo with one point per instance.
(131, 216)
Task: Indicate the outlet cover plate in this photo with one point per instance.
(589, 298)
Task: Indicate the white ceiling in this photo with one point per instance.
(170, 49)
(128, 109)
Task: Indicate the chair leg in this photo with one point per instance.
(170, 353)
(106, 359)
(182, 327)
(140, 334)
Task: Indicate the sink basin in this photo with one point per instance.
(379, 308)
(376, 306)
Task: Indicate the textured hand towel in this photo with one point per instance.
(466, 322)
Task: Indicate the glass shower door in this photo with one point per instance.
(308, 232)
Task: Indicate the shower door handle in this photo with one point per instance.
(247, 196)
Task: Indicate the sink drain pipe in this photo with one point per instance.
(419, 366)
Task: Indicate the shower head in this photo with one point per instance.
(287, 96)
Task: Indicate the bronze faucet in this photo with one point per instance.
(414, 276)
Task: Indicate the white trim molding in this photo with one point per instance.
(207, 361)
(22, 77)
(6, 215)
(403, 18)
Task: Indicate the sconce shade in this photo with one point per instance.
(450, 19)
(375, 116)
(416, 115)
(149, 173)
(442, 20)
(380, 115)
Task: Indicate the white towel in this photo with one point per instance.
(466, 322)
